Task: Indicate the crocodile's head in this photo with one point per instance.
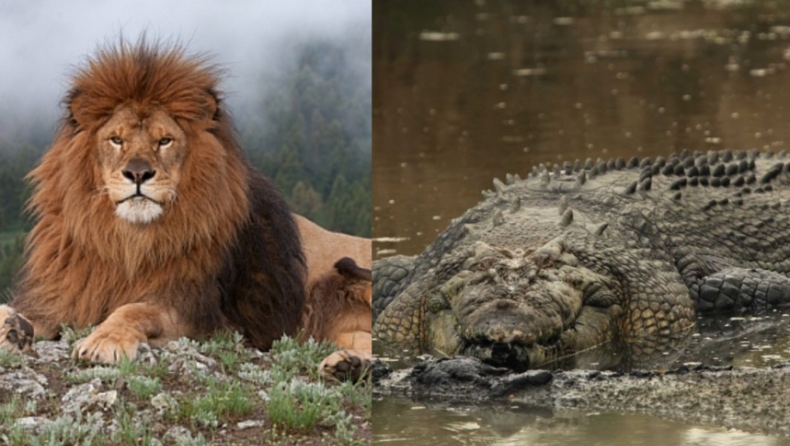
(524, 309)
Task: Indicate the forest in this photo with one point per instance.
(309, 131)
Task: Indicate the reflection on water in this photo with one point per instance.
(465, 91)
(401, 422)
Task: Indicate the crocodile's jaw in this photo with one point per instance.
(592, 328)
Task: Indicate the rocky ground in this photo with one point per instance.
(750, 399)
(215, 392)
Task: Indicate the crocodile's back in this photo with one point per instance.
(707, 211)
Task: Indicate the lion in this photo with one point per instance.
(149, 221)
(339, 293)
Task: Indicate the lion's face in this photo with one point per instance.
(141, 153)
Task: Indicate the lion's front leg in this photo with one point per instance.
(16, 332)
(121, 334)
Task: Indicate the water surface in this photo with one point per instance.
(465, 91)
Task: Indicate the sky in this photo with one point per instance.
(43, 41)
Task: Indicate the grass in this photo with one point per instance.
(299, 405)
(12, 360)
(131, 431)
(66, 430)
(223, 400)
(292, 358)
(10, 410)
(295, 404)
(143, 387)
(206, 387)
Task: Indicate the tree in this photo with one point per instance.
(305, 200)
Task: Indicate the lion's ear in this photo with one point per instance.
(75, 103)
(212, 105)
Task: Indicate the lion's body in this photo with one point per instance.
(322, 249)
(149, 220)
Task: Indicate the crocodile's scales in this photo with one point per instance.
(589, 252)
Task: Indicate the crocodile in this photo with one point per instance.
(594, 253)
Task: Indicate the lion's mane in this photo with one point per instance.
(226, 254)
(335, 299)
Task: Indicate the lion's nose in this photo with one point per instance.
(138, 171)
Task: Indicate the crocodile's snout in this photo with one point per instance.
(518, 323)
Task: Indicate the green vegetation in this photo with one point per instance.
(309, 131)
(12, 360)
(188, 387)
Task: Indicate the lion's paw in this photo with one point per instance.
(346, 365)
(107, 346)
(16, 332)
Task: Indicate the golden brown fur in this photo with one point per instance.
(209, 243)
(339, 309)
(338, 303)
(322, 249)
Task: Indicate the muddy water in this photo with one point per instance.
(402, 422)
(465, 91)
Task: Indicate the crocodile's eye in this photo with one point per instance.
(116, 141)
(165, 142)
(437, 303)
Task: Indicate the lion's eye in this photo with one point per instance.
(116, 141)
(164, 142)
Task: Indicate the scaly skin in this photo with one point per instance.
(567, 260)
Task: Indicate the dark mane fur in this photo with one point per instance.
(334, 295)
(268, 244)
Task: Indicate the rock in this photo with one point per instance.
(48, 352)
(178, 434)
(104, 400)
(79, 398)
(164, 403)
(33, 423)
(249, 423)
(24, 382)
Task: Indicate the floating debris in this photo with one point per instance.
(630, 10)
(390, 239)
(436, 36)
(761, 72)
(523, 72)
(665, 5)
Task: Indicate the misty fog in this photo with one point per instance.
(44, 41)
